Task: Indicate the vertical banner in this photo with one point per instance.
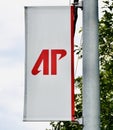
(49, 65)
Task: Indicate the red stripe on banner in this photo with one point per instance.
(72, 65)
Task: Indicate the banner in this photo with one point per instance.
(49, 65)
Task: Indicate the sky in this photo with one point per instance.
(12, 60)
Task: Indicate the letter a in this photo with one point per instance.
(44, 57)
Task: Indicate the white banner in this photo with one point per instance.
(49, 76)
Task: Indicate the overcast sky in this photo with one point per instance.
(12, 50)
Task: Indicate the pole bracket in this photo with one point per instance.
(78, 4)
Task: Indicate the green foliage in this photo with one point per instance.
(66, 125)
(78, 51)
(106, 34)
(106, 76)
(106, 66)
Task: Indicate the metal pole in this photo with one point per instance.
(91, 96)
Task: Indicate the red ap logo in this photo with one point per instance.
(44, 57)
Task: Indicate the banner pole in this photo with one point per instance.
(91, 102)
